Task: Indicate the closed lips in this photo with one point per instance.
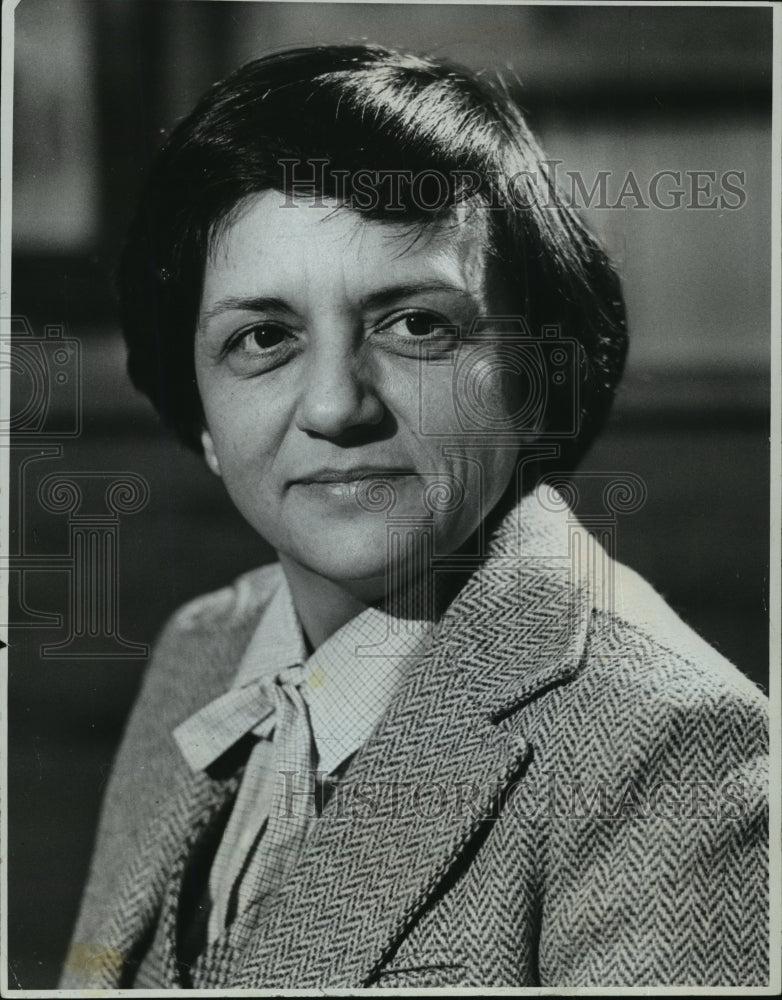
(349, 475)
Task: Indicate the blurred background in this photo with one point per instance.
(97, 85)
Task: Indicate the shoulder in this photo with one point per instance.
(199, 648)
(651, 700)
(229, 607)
(193, 661)
(636, 639)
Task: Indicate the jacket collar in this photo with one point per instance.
(519, 626)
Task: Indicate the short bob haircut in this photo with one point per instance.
(358, 112)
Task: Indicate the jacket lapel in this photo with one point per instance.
(435, 770)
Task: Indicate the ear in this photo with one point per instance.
(210, 456)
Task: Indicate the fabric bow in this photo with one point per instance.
(251, 708)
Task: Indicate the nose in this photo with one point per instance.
(339, 394)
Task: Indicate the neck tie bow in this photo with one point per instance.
(251, 708)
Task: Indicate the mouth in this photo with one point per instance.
(355, 475)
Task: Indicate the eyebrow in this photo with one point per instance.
(252, 303)
(378, 299)
(384, 296)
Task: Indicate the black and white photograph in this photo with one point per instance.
(390, 463)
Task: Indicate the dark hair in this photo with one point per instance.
(356, 109)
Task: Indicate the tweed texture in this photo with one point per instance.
(564, 791)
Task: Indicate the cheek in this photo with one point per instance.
(488, 388)
(473, 404)
(477, 395)
(497, 402)
(246, 435)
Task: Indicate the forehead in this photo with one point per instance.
(267, 243)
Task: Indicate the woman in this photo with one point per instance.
(424, 748)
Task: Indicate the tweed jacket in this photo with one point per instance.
(569, 789)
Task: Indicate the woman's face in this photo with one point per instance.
(326, 392)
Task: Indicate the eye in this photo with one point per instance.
(260, 347)
(261, 337)
(418, 323)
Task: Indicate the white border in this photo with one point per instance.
(775, 543)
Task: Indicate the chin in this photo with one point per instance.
(362, 562)
(346, 559)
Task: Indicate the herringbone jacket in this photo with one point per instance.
(568, 790)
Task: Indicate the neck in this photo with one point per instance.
(323, 606)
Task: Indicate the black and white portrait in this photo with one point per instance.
(388, 447)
